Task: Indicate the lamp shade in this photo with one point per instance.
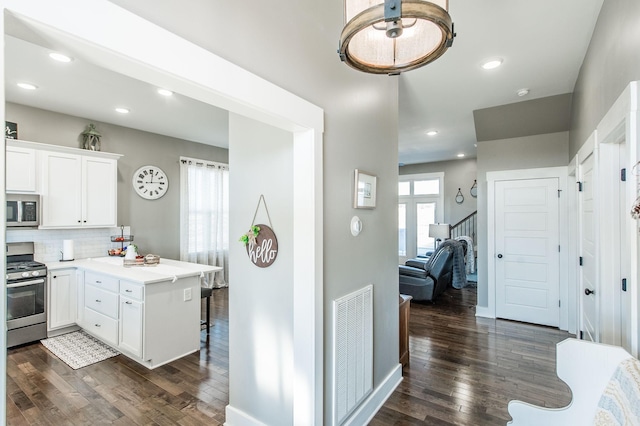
(439, 231)
(391, 36)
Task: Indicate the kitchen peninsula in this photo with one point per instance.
(149, 313)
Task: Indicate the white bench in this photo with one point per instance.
(587, 368)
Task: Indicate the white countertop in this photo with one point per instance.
(168, 269)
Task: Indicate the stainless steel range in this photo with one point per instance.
(26, 295)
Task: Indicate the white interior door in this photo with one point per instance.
(527, 250)
(589, 267)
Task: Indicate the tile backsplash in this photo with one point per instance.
(48, 242)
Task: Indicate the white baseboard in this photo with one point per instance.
(376, 399)
(235, 417)
(483, 311)
(362, 416)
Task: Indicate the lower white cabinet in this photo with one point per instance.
(131, 318)
(61, 291)
(101, 312)
(152, 324)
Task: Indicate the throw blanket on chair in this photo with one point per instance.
(471, 256)
(459, 276)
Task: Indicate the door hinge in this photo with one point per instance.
(623, 175)
(559, 303)
(559, 191)
(580, 260)
(581, 335)
(624, 284)
(579, 186)
(558, 249)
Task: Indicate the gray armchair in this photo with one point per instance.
(427, 278)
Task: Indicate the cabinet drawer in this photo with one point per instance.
(135, 291)
(103, 327)
(101, 281)
(101, 301)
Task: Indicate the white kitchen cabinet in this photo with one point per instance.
(100, 308)
(131, 326)
(61, 291)
(78, 190)
(21, 170)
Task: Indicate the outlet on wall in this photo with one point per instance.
(187, 294)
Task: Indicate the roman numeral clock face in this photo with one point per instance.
(150, 182)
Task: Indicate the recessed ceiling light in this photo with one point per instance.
(460, 155)
(59, 57)
(122, 110)
(165, 92)
(432, 132)
(492, 63)
(27, 86)
(523, 92)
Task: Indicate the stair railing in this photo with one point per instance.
(466, 227)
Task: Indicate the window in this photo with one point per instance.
(204, 214)
(420, 203)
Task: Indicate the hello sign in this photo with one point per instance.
(264, 250)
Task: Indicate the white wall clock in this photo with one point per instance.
(150, 182)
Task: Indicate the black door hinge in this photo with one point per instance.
(581, 335)
(624, 284)
(580, 260)
(579, 186)
(623, 175)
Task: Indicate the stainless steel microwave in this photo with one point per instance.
(23, 210)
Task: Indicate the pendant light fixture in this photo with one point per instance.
(391, 36)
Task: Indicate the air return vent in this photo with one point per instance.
(353, 351)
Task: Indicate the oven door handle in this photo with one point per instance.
(26, 283)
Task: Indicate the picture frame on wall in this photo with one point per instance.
(10, 130)
(364, 194)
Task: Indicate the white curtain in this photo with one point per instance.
(204, 216)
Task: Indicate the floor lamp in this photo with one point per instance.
(439, 231)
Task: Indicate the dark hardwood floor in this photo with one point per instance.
(463, 371)
(194, 390)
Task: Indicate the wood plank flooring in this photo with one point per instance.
(462, 371)
(194, 390)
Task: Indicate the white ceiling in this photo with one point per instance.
(542, 43)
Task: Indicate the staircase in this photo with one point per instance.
(467, 227)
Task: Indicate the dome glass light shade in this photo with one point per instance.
(373, 43)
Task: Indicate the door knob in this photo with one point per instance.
(588, 292)
(500, 256)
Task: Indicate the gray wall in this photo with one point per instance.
(154, 224)
(528, 152)
(261, 156)
(361, 131)
(457, 174)
(611, 63)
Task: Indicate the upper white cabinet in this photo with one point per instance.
(21, 170)
(78, 190)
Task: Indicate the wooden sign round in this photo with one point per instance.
(264, 252)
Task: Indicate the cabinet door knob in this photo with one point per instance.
(127, 302)
(97, 325)
(98, 300)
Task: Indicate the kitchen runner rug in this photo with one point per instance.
(78, 349)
